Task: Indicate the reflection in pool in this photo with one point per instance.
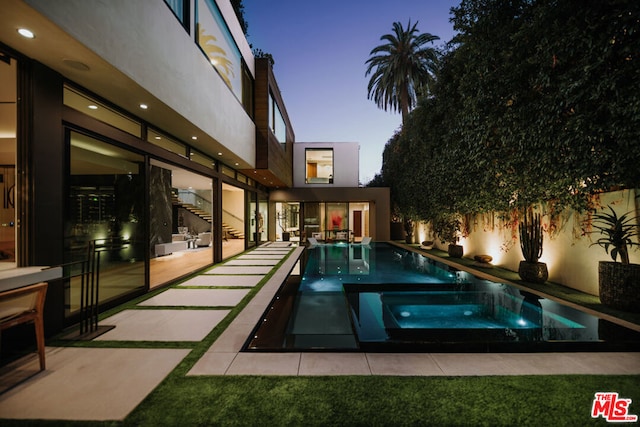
(380, 297)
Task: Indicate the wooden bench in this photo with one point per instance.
(25, 305)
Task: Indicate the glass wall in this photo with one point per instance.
(8, 126)
(181, 227)
(288, 221)
(335, 221)
(106, 196)
(99, 111)
(233, 220)
(337, 225)
(276, 121)
(263, 224)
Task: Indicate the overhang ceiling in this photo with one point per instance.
(60, 52)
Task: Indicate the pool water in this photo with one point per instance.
(380, 297)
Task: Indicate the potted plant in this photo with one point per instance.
(282, 222)
(408, 229)
(531, 270)
(447, 228)
(619, 281)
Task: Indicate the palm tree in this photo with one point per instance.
(400, 68)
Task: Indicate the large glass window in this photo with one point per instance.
(319, 165)
(276, 121)
(105, 210)
(181, 232)
(161, 140)
(180, 8)
(287, 221)
(215, 40)
(233, 220)
(335, 221)
(99, 111)
(8, 126)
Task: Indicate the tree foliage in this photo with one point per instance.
(401, 68)
(238, 8)
(536, 102)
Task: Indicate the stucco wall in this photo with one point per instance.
(346, 165)
(570, 259)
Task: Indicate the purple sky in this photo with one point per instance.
(320, 48)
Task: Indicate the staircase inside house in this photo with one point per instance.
(231, 233)
(228, 231)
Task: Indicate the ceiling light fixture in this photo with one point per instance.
(144, 106)
(28, 34)
(219, 154)
(93, 107)
(194, 137)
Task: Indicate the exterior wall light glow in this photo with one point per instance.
(26, 33)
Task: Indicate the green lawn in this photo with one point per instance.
(374, 401)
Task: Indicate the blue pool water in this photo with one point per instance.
(380, 297)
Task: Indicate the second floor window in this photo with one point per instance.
(319, 165)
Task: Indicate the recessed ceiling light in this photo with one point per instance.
(93, 107)
(26, 33)
(194, 137)
(76, 65)
(219, 154)
(157, 137)
(144, 106)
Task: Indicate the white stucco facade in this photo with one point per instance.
(345, 169)
(150, 50)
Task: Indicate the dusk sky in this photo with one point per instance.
(320, 48)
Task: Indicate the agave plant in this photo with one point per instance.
(617, 233)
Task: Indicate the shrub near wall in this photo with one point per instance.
(568, 253)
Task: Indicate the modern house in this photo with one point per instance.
(326, 196)
(146, 133)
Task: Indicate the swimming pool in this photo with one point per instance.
(380, 297)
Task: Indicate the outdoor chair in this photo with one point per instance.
(25, 305)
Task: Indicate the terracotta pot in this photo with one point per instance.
(534, 272)
(620, 285)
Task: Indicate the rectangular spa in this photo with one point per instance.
(380, 297)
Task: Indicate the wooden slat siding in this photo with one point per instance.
(276, 163)
(262, 112)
